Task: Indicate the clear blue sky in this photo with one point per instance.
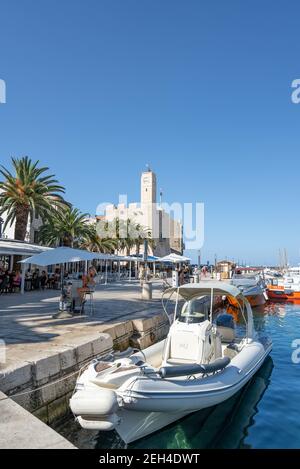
(201, 90)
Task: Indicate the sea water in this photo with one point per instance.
(264, 414)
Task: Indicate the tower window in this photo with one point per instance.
(36, 237)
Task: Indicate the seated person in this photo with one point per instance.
(16, 283)
(4, 282)
(87, 282)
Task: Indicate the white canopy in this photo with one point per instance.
(10, 247)
(129, 258)
(174, 258)
(64, 254)
(60, 255)
(106, 257)
(216, 288)
(193, 290)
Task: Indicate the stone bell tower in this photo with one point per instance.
(148, 187)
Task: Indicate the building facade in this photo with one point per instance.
(165, 230)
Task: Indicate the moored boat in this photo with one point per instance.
(201, 363)
(252, 287)
(286, 288)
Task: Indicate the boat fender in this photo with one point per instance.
(194, 369)
(99, 402)
(105, 425)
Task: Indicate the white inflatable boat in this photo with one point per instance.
(199, 364)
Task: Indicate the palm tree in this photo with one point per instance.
(93, 242)
(66, 228)
(142, 233)
(128, 234)
(26, 192)
(124, 232)
(116, 230)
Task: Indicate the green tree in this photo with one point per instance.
(26, 191)
(67, 227)
(93, 242)
(142, 233)
(127, 233)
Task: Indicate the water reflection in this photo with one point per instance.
(222, 426)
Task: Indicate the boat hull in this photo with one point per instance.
(279, 293)
(154, 394)
(145, 403)
(258, 299)
(135, 424)
(254, 293)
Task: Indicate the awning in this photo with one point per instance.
(140, 258)
(129, 258)
(61, 255)
(20, 248)
(174, 258)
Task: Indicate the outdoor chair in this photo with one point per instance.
(16, 285)
(4, 286)
(89, 299)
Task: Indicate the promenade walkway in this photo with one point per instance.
(28, 329)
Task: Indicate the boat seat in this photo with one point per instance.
(179, 361)
(192, 369)
(183, 348)
(227, 334)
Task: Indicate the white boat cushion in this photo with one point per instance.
(179, 361)
(184, 346)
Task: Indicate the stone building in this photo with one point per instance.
(165, 230)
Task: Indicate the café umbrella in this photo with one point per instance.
(60, 255)
(174, 258)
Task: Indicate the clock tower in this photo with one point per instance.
(148, 187)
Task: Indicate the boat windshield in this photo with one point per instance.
(195, 310)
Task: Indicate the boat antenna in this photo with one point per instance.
(176, 304)
(211, 304)
(166, 301)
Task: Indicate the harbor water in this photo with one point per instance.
(264, 414)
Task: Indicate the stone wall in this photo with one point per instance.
(52, 376)
(138, 333)
(148, 331)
